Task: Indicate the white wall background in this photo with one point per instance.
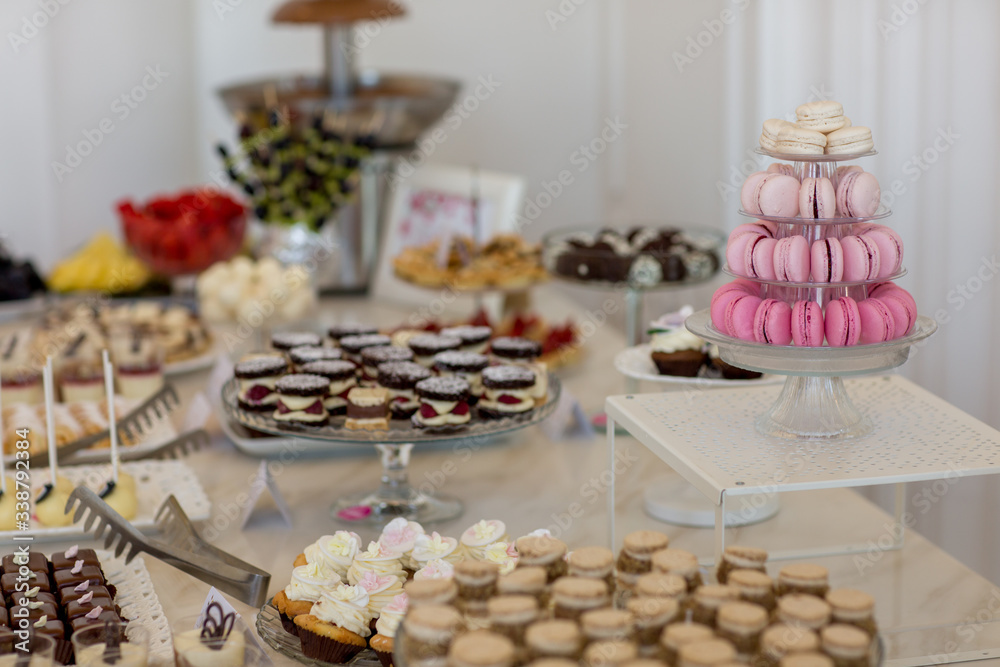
(908, 76)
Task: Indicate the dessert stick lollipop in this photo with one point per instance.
(109, 388)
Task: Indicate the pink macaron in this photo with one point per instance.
(890, 249)
(740, 315)
(726, 294)
(781, 168)
(807, 324)
(877, 323)
(827, 261)
(858, 195)
(758, 258)
(841, 322)
(817, 198)
(904, 313)
(778, 195)
(736, 251)
(748, 195)
(846, 169)
(791, 259)
(773, 323)
(861, 258)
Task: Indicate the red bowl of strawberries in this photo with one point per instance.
(185, 233)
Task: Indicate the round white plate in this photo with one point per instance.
(635, 362)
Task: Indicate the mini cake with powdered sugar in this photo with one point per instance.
(401, 378)
(352, 346)
(257, 377)
(425, 346)
(506, 391)
(474, 338)
(304, 354)
(342, 376)
(373, 357)
(444, 401)
(300, 399)
(340, 331)
(466, 365)
(368, 409)
(287, 340)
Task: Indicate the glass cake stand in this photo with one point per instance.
(813, 402)
(395, 496)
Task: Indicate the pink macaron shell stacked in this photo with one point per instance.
(736, 250)
(725, 295)
(758, 258)
(778, 195)
(781, 168)
(807, 324)
(748, 195)
(827, 261)
(890, 249)
(791, 259)
(899, 302)
(858, 194)
(773, 323)
(877, 322)
(841, 322)
(765, 227)
(817, 199)
(861, 258)
(740, 315)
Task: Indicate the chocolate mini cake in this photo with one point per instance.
(339, 331)
(425, 346)
(304, 354)
(286, 340)
(373, 357)
(342, 376)
(368, 409)
(506, 391)
(466, 365)
(353, 345)
(257, 378)
(443, 401)
(512, 348)
(401, 378)
(474, 339)
(300, 399)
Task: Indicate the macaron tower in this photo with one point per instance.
(813, 269)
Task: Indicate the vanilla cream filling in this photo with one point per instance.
(299, 415)
(850, 615)
(334, 402)
(269, 382)
(340, 386)
(475, 380)
(491, 395)
(444, 419)
(740, 562)
(296, 403)
(541, 387)
(424, 361)
(441, 407)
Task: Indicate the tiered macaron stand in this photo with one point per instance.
(395, 496)
(760, 441)
(740, 447)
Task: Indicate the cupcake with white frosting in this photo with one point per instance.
(435, 547)
(376, 558)
(335, 552)
(502, 554)
(401, 536)
(335, 631)
(380, 590)
(309, 582)
(436, 569)
(481, 535)
(388, 622)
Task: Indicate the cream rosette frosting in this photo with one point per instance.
(376, 558)
(346, 607)
(381, 590)
(334, 552)
(482, 534)
(310, 581)
(436, 569)
(401, 535)
(503, 554)
(392, 615)
(435, 547)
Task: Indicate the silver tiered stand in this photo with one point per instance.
(819, 430)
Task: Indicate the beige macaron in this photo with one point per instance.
(822, 116)
(769, 133)
(642, 543)
(512, 609)
(433, 624)
(750, 582)
(607, 624)
(803, 610)
(803, 576)
(539, 550)
(677, 635)
(781, 639)
(850, 141)
(741, 618)
(595, 562)
(430, 591)
(579, 593)
(675, 561)
(652, 612)
(661, 585)
(556, 637)
(523, 581)
(481, 648)
(708, 653)
(795, 140)
(609, 653)
(741, 557)
(850, 605)
(806, 659)
(846, 642)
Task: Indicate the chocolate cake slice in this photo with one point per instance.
(444, 401)
(506, 391)
(257, 377)
(401, 378)
(300, 398)
(342, 376)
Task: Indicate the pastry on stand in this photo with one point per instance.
(50, 504)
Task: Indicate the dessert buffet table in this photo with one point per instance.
(928, 603)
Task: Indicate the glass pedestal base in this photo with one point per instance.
(395, 497)
(813, 407)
